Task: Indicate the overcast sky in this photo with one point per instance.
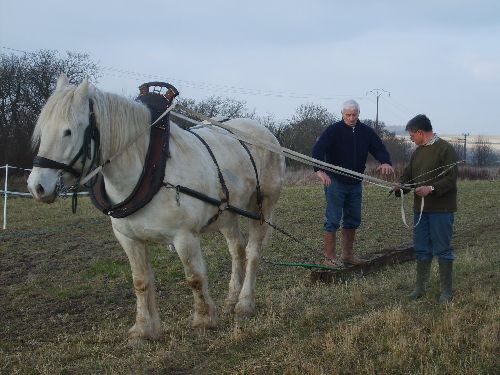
(438, 57)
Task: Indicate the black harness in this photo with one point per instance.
(153, 173)
(223, 204)
(91, 134)
(150, 181)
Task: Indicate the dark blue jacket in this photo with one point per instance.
(348, 147)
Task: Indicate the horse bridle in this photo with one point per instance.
(91, 134)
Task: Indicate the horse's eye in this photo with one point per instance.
(67, 133)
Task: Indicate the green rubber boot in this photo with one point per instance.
(446, 278)
(423, 275)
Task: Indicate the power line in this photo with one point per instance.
(401, 109)
(229, 88)
(111, 71)
(15, 50)
(129, 74)
(378, 93)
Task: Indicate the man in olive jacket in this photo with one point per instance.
(432, 235)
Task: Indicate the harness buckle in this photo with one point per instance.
(177, 195)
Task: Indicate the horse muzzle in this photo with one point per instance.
(42, 184)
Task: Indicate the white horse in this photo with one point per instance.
(60, 132)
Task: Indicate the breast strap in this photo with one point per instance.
(149, 183)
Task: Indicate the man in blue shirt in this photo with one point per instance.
(346, 144)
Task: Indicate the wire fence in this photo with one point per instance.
(6, 192)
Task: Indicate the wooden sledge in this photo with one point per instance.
(374, 262)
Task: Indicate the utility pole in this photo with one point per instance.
(465, 146)
(377, 93)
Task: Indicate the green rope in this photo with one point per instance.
(294, 264)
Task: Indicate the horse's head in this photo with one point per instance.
(66, 137)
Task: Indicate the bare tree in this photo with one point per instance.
(399, 149)
(303, 129)
(459, 148)
(26, 82)
(216, 106)
(380, 128)
(482, 153)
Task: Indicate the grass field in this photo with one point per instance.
(67, 299)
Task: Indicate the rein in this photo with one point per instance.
(92, 134)
(447, 166)
(89, 176)
(243, 137)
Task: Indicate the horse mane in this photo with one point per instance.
(57, 107)
(119, 119)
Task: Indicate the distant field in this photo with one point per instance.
(67, 298)
(494, 140)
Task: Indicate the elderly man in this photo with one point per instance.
(432, 235)
(346, 144)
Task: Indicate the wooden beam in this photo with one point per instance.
(374, 262)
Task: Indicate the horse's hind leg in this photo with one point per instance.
(236, 244)
(188, 248)
(147, 321)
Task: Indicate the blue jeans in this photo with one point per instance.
(343, 202)
(432, 236)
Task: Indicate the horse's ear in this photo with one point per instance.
(82, 92)
(62, 81)
(92, 89)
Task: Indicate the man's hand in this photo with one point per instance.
(423, 191)
(397, 190)
(325, 179)
(385, 168)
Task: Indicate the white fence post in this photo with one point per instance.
(21, 194)
(5, 197)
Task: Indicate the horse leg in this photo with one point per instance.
(188, 248)
(236, 244)
(147, 321)
(256, 238)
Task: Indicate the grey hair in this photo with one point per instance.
(350, 104)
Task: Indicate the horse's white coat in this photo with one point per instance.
(120, 120)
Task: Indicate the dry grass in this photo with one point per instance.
(67, 299)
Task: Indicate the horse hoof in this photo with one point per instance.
(243, 311)
(143, 334)
(204, 322)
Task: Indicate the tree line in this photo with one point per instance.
(28, 80)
